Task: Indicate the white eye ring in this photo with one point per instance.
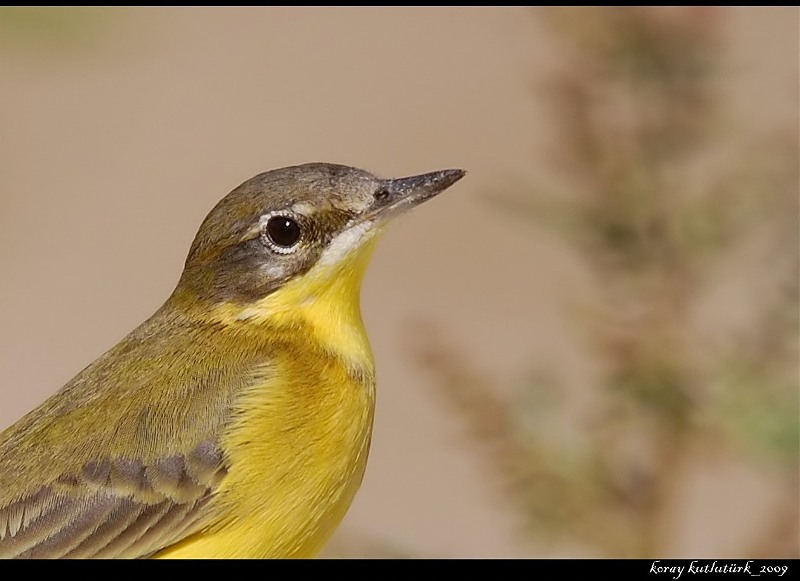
(281, 231)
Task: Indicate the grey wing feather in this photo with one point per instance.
(114, 508)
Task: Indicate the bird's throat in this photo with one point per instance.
(325, 300)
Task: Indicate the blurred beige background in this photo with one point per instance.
(121, 129)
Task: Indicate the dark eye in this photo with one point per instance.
(283, 232)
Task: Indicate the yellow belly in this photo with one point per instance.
(297, 456)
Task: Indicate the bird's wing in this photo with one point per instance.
(113, 508)
(124, 460)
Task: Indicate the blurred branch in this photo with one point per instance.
(636, 110)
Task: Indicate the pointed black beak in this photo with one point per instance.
(396, 196)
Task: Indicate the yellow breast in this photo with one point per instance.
(298, 447)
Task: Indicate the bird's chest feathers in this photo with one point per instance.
(298, 446)
(297, 452)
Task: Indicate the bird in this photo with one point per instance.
(236, 421)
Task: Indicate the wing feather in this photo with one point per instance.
(113, 508)
(123, 460)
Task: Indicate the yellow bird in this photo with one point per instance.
(236, 421)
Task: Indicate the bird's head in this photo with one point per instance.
(302, 228)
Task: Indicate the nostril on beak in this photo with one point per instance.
(381, 195)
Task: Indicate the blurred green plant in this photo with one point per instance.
(635, 107)
(48, 31)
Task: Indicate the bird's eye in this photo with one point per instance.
(282, 233)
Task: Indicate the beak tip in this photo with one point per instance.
(455, 173)
(448, 177)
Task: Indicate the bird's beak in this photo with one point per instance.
(396, 196)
